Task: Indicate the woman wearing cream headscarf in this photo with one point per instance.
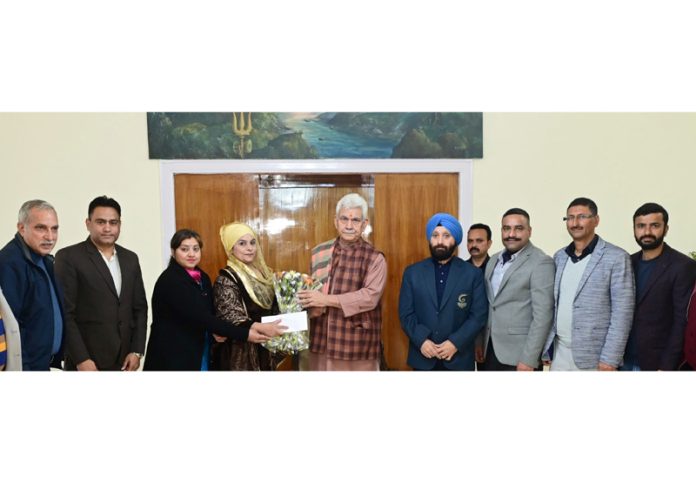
(243, 294)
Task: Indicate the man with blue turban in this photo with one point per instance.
(442, 303)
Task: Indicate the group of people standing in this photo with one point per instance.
(590, 307)
(87, 310)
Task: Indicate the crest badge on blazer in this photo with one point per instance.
(463, 300)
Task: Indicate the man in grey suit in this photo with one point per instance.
(595, 296)
(519, 285)
(105, 303)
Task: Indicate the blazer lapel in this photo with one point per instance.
(100, 265)
(591, 264)
(429, 281)
(126, 273)
(488, 276)
(661, 266)
(561, 261)
(454, 274)
(519, 261)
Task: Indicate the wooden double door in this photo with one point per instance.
(294, 212)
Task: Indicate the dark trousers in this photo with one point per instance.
(439, 366)
(71, 366)
(492, 363)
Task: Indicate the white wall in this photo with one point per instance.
(69, 159)
(540, 162)
(535, 161)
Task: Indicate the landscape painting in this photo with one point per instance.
(315, 135)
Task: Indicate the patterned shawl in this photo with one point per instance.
(321, 263)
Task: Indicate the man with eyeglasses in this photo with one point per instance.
(346, 313)
(30, 287)
(664, 280)
(105, 303)
(594, 291)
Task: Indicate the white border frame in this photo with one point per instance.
(169, 168)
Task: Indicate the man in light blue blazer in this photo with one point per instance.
(442, 303)
(595, 296)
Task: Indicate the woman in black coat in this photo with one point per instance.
(182, 312)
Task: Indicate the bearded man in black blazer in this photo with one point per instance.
(664, 280)
(105, 302)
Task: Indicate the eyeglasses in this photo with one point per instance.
(581, 217)
(344, 220)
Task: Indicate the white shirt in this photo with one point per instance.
(114, 268)
(500, 269)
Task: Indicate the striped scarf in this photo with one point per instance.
(321, 263)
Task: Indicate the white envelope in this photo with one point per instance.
(295, 321)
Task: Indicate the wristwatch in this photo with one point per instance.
(138, 354)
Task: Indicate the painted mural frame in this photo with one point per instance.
(318, 135)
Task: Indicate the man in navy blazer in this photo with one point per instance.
(30, 286)
(442, 303)
(664, 280)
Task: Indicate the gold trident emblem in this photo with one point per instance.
(241, 129)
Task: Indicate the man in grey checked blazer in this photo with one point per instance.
(594, 291)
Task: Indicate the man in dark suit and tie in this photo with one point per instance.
(442, 303)
(105, 303)
(664, 281)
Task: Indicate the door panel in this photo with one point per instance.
(205, 202)
(297, 214)
(403, 204)
(293, 213)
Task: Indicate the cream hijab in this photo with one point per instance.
(256, 277)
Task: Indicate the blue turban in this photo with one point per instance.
(448, 221)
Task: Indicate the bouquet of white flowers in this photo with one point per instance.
(286, 285)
